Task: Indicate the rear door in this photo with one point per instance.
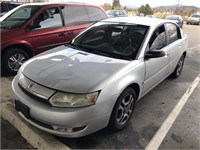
(175, 44)
(48, 30)
(75, 20)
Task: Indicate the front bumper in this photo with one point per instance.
(193, 21)
(65, 122)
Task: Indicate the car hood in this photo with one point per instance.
(71, 70)
(5, 34)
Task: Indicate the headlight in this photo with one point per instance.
(60, 99)
(19, 73)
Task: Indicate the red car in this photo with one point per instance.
(33, 28)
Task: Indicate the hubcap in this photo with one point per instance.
(15, 61)
(125, 110)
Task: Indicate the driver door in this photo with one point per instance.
(48, 30)
(156, 68)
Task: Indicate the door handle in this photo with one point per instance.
(62, 34)
(71, 33)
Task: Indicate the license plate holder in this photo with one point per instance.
(25, 110)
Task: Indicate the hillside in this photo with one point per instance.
(175, 7)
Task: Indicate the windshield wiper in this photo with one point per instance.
(118, 56)
(97, 51)
(79, 47)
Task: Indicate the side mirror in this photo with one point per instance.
(154, 54)
(33, 26)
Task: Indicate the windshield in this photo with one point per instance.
(112, 40)
(196, 16)
(173, 18)
(111, 12)
(19, 17)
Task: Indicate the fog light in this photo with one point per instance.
(68, 130)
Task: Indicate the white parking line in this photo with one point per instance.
(167, 124)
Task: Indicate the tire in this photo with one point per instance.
(12, 60)
(123, 109)
(179, 67)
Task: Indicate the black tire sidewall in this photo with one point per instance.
(174, 74)
(113, 122)
(5, 57)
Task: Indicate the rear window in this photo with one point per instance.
(95, 14)
(75, 15)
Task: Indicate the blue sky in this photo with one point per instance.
(138, 3)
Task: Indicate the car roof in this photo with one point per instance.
(54, 3)
(174, 15)
(45, 4)
(195, 14)
(153, 22)
(11, 2)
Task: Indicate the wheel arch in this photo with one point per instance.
(184, 54)
(135, 87)
(24, 47)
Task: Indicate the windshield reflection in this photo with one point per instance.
(112, 40)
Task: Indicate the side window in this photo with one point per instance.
(49, 18)
(172, 32)
(158, 39)
(75, 15)
(11, 6)
(22, 13)
(3, 8)
(95, 14)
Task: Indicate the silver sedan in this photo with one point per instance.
(95, 80)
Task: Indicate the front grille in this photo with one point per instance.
(35, 97)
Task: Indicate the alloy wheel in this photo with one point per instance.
(15, 61)
(125, 110)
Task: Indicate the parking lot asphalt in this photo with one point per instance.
(185, 132)
(151, 111)
(11, 138)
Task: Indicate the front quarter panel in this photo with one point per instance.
(132, 73)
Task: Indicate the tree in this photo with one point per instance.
(146, 10)
(106, 6)
(116, 4)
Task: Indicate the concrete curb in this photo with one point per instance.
(37, 138)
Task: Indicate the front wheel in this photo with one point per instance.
(123, 109)
(12, 60)
(178, 68)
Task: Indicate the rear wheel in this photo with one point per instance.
(12, 60)
(178, 68)
(123, 109)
